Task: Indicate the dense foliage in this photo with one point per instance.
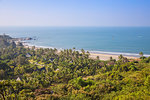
(31, 73)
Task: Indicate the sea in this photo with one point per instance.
(128, 41)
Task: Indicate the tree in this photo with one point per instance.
(120, 57)
(111, 58)
(4, 66)
(97, 57)
(83, 52)
(2, 74)
(74, 48)
(13, 45)
(20, 44)
(141, 54)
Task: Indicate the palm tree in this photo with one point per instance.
(97, 57)
(111, 58)
(74, 48)
(120, 57)
(83, 52)
(141, 54)
(70, 51)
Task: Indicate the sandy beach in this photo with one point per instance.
(107, 56)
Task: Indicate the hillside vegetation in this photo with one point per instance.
(39, 74)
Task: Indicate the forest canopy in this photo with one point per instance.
(38, 73)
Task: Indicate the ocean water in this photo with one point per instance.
(109, 40)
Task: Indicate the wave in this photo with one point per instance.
(96, 52)
(38, 46)
(118, 53)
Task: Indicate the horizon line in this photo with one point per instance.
(74, 26)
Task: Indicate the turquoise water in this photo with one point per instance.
(114, 40)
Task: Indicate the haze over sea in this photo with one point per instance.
(109, 40)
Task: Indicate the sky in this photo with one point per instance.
(74, 12)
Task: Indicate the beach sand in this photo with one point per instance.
(107, 56)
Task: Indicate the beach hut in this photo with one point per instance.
(18, 79)
(28, 55)
(71, 62)
(57, 69)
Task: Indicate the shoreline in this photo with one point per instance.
(107, 56)
(93, 55)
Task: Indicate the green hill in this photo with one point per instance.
(6, 41)
(45, 74)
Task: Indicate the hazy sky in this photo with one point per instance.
(74, 12)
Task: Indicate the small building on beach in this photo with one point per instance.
(28, 55)
(18, 79)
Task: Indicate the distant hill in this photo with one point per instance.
(5, 37)
(6, 40)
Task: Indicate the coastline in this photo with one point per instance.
(93, 55)
(107, 56)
